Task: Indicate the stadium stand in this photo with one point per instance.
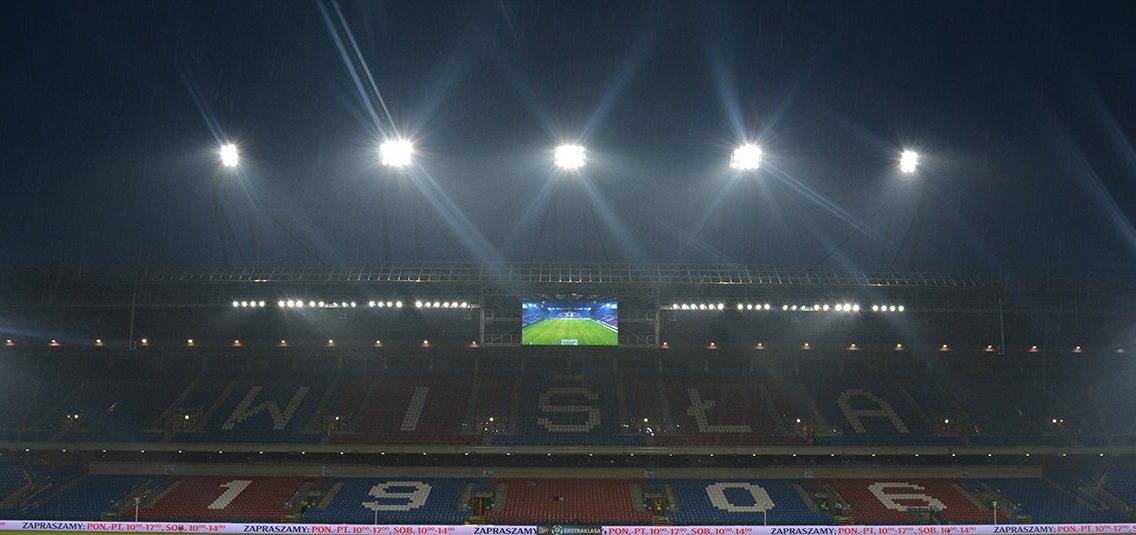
(542, 501)
(265, 408)
(425, 411)
(567, 408)
(259, 499)
(606, 408)
(1045, 502)
(1122, 483)
(715, 409)
(895, 501)
(741, 502)
(393, 501)
(12, 478)
(86, 498)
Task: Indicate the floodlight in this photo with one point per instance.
(908, 161)
(746, 158)
(396, 153)
(570, 157)
(229, 156)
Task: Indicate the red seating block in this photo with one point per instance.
(222, 498)
(868, 508)
(593, 501)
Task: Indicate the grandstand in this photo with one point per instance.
(709, 417)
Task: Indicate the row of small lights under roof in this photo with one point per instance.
(838, 307)
(754, 454)
(300, 303)
(760, 346)
(190, 342)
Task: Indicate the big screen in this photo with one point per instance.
(569, 322)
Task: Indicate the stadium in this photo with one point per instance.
(853, 398)
(576, 267)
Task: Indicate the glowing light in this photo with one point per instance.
(396, 153)
(908, 161)
(746, 158)
(229, 156)
(570, 157)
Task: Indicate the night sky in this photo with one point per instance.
(1024, 114)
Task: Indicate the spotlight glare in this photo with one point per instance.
(396, 153)
(908, 161)
(229, 156)
(570, 157)
(746, 158)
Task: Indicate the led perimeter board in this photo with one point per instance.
(569, 322)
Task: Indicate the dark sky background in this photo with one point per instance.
(1024, 113)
